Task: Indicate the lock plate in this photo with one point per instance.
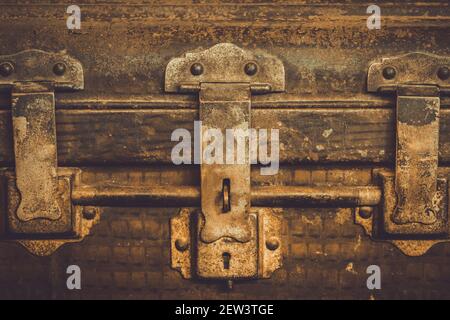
(257, 258)
(226, 258)
(227, 233)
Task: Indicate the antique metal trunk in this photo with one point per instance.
(115, 149)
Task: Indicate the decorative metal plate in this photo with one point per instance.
(411, 68)
(225, 62)
(63, 71)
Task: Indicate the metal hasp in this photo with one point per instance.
(37, 209)
(227, 238)
(414, 210)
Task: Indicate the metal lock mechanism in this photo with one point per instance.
(414, 210)
(36, 207)
(227, 238)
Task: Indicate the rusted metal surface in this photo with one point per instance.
(417, 160)
(35, 151)
(261, 196)
(38, 66)
(226, 259)
(63, 225)
(325, 195)
(270, 242)
(411, 247)
(46, 247)
(417, 80)
(181, 246)
(43, 237)
(417, 68)
(32, 77)
(225, 62)
(389, 204)
(225, 75)
(222, 107)
(415, 196)
(39, 211)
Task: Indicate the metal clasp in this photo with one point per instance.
(415, 195)
(39, 211)
(226, 234)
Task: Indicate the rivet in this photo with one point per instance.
(6, 69)
(389, 73)
(182, 244)
(444, 73)
(59, 69)
(272, 243)
(197, 69)
(89, 213)
(251, 69)
(365, 212)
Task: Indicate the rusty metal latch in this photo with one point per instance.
(226, 235)
(38, 210)
(415, 196)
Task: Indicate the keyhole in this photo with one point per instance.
(226, 190)
(226, 260)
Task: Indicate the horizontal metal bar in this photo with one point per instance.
(276, 100)
(267, 196)
(300, 196)
(174, 101)
(137, 196)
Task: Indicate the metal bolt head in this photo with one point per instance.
(89, 213)
(443, 73)
(182, 244)
(389, 73)
(365, 212)
(251, 69)
(197, 69)
(6, 69)
(59, 69)
(272, 243)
